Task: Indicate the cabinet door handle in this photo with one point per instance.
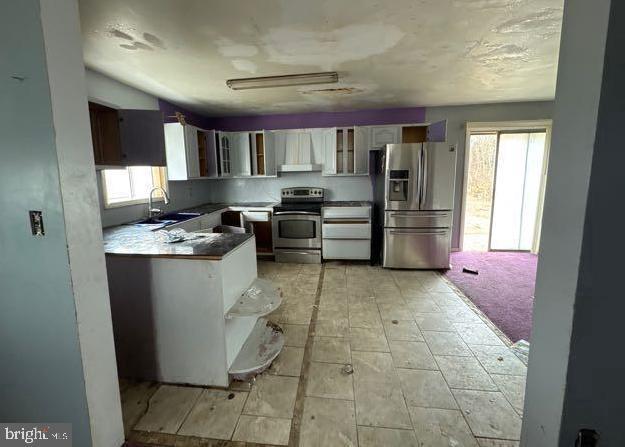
(286, 213)
(346, 221)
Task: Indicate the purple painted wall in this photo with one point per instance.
(322, 119)
(296, 120)
(169, 112)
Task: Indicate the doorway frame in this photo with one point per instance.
(506, 126)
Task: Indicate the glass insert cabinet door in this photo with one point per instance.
(518, 174)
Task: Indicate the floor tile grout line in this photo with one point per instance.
(186, 416)
(496, 384)
(450, 392)
(247, 396)
(298, 410)
(459, 408)
(504, 338)
(351, 362)
(403, 395)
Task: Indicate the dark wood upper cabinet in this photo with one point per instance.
(127, 137)
(142, 137)
(105, 135)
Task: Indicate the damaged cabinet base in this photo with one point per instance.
(260, 349)
(192, 321)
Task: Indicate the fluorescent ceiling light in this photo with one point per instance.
(327, 77)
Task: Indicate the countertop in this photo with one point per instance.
(208, 208)
(347, 203)
(135, 240)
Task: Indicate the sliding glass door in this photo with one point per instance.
(517, 191)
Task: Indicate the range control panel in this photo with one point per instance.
(302, 194)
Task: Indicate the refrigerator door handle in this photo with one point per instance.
(418, 232)
(417, 181)
(408, 215)
(424, 176)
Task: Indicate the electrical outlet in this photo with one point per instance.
(36, 223)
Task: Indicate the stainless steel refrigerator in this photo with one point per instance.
(415, 195)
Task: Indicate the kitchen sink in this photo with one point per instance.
(167, 219)
(178, 217)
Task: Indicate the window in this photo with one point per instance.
(132, 185)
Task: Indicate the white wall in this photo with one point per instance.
(63, 46)
(594, 396)
(458, 116)
(107, 91)
(58, 363)
(268, 190)
(566, 213)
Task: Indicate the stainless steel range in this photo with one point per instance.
(297, 225)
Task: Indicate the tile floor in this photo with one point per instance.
(427, 371)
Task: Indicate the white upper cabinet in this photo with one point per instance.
(346, 151)
(328, 138)
(269, 153)
(246, 154)
(361, 145)
(224, 160)
(210, 165)
(181, 146)
(192, 152)
(240, 154)
(379, 136)
(261, 149)
(317, 148)
(197, 153)
(191, 145)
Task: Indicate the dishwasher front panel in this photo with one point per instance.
(416, 248)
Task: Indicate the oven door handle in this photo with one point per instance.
(305, 213)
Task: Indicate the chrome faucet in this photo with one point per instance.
(156, 211)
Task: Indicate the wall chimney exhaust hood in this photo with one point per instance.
(327, 77)
(300, 167)
(294, 150)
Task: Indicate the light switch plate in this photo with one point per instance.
(36, 223)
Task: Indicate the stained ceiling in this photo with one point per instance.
(388, 53)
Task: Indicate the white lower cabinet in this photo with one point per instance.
(346, 232)
(358, 249)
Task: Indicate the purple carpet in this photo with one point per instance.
(503, 289)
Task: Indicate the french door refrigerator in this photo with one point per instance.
(415, 204)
